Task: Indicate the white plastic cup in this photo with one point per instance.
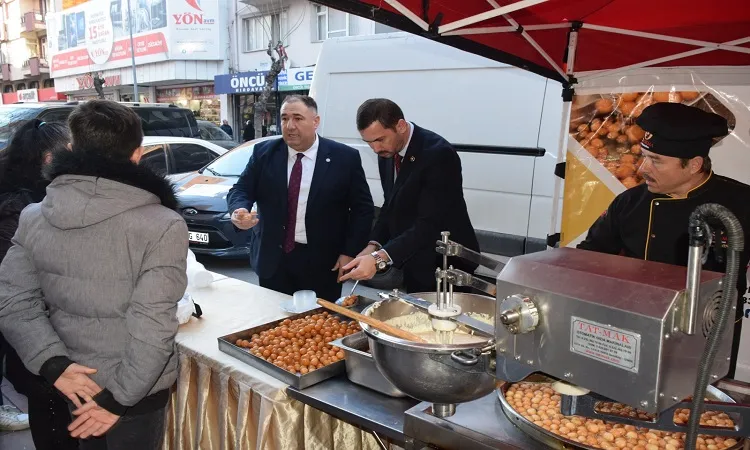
(304, 300)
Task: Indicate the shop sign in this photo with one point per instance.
(28, 95)
(241, 83)
(185, 93)
(87, 81)
(296, 79)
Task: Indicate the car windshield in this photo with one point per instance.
(10, 116)
(213, 132)
(232, 163)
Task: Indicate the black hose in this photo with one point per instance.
(736, 243)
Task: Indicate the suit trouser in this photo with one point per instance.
(301, 270)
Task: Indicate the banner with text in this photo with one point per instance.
(95, 36)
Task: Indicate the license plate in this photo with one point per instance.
(199, 238)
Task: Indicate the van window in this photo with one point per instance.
(155, 158)
(190, 157)
(164, 122)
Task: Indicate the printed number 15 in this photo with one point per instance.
(92, 32)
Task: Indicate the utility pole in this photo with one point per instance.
(132, 55)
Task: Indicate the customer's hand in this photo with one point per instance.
(75, 382)
(243, 219)
(92, 420)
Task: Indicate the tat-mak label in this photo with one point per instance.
(610, 345)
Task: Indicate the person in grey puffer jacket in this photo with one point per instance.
(105, 252)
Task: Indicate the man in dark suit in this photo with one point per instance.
(421, 177)
(314, 200)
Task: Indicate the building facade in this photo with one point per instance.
(301, 26)
(177, 48)
(24, 66)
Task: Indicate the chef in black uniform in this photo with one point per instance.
(650, 221)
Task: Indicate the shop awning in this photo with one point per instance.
(570, 40)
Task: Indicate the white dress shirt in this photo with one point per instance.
(308, 167)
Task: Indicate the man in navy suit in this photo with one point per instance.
(315, 204)
(421, 177)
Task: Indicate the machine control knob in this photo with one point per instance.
(519, 314)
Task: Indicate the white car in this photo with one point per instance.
(174, 155)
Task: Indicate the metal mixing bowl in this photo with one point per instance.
(428, 372)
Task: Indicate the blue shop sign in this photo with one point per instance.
(241, 83)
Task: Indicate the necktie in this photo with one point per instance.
(295, 179)
(397, 162)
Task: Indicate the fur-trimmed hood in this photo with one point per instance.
(88, 189)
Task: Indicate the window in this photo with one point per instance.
(48, 83)
(231, 164)
(257, 32)
(34, 85)
(20, 86)
(331, 23)
(190, 157)
(155, 158)
(56, 115)
(164, 122)
(43, 47)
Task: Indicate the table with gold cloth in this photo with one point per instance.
(221, 403)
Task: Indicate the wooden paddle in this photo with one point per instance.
(377, 324)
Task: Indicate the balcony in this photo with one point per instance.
(32, 22)
(261, 4)
(34, 66)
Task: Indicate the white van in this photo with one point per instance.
(497, 116)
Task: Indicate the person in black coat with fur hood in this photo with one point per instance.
(21, 183)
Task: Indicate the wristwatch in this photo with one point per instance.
(380, 263)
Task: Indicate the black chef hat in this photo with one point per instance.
(681, 131)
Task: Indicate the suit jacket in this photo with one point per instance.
(426, 199)
(339, 207)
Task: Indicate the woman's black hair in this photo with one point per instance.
(21, 161)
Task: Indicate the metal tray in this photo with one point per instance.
(559, 442)
(360, 366)
(299, 381)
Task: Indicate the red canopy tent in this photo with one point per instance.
(583, 43)
(569, 40)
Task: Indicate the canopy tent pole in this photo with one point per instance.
(493, 30)
(529, 39)
(488, 15)
(662, 37)
(408, 14)
(664, 59)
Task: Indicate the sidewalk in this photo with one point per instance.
(15, 440)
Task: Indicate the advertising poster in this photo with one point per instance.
(95, 35)
(603, 154)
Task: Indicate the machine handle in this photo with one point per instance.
(455, 249)
(464, 358)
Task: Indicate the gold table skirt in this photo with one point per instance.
(220, 403)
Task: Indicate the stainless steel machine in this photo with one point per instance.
(641, 333)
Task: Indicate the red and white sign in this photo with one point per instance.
(27, 95)
(150, 44)
(610, 345)
(87, 81)
(99, 32)
(193, 29)
(95, 36)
